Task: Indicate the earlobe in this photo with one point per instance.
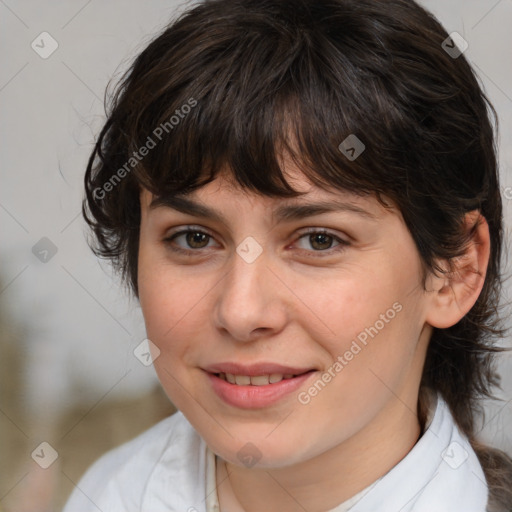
(455, 292)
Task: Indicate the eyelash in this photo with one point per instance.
(342, 244)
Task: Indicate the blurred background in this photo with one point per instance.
(71, 386)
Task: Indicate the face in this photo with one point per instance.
(292, 332)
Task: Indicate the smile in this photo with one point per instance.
(256, 380)
(255, 391)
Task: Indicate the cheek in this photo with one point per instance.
(369, 319)
(161, 296)
(343, 306)
(169, 305)
(175, 303)
(369, 356)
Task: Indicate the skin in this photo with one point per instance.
(300, 305)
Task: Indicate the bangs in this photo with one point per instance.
(236, 103)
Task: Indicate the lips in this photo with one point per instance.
(255, 386)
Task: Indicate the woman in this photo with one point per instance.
(304, 198)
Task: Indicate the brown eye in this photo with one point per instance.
(196, 239)
(191, 240)
(321, 241)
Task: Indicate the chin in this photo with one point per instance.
(262, 454)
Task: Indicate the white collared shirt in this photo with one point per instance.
(169, 468)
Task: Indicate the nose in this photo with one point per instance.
(250, 303)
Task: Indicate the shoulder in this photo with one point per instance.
(119, 478)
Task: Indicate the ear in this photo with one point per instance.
(455, 292)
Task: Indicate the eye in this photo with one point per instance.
(195, 239)
(321, 240)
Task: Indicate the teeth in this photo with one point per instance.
(242, 380)
(257, 380)
(260, 380)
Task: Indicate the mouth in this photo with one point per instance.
(257, 380)
(255, 387)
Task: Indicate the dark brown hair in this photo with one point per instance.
(239, 83)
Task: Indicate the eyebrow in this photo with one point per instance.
(282, 213)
